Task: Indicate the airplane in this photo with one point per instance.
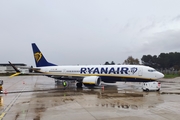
(92, 75)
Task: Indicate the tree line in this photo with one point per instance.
(129, 61)
(163, 61)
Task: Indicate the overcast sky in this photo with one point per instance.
(88, 31)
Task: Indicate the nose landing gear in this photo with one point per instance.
(79, 85)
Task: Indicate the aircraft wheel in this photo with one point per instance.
(79, 85)
(56, 80)
(147, 90)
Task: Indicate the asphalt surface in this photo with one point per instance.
(39, 98)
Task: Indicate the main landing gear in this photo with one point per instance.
(57, 81)
(63, 82)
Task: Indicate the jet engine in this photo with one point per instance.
(92, 81)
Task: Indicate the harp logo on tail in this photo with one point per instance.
(38, 56)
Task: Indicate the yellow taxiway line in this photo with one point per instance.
(10, 105)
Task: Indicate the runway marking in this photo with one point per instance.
(2, 115)
(10, 105)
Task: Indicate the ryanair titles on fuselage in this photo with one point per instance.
(108, 70)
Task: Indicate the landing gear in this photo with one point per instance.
(58, 81)
(146, 90)
(79, 85)
(66, 83)
(158, 90)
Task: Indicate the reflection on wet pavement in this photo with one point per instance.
(44, 100)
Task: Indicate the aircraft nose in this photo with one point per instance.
(160, 75)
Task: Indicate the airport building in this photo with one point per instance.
(7, 68)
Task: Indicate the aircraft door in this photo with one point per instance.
(140, 71)
(64, 70)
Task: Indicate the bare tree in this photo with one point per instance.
(131, 61)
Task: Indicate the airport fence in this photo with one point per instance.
(170, 71)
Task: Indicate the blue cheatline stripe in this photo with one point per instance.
(100, 75)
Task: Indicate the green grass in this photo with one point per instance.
(171, 75)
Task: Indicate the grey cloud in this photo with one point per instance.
(177, 18)
(167, 41)
(148, 27)
(87, 32)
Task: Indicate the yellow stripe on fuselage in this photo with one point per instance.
(108, 75)
(89, 83)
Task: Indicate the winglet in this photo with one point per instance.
(16, 74)
(13, 67)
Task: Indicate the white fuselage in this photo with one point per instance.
(122, 71)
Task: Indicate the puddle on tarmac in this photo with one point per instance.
(17, 115)
(119, 106)
(39, 109)
(57, 94)
(165, 87)
(133, 103)
(169, 92)
(37, 117)
(112, 95)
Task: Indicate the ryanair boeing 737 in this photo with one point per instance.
(92, 75)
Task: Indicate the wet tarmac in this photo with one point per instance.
(39, 98)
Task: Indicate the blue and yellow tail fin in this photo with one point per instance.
(39, 58)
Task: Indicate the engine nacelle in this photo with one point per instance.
(92, 81)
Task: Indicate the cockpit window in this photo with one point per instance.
(151, 70)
